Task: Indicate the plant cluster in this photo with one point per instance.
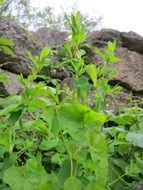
(63, 137)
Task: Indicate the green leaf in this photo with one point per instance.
(64, 173)
(98, 150)
(139, 163)
(113, 175)
(82, 86)
(124, 119)
(4, 78)
(8, 162)
(49, 144)
(91, 71)
(6, 50)
(6, 42)
(135, 138)
(41, 126)
(8, 109)
(45, 52)
(111, 46)
(55, 124)
(14, 117)
(72, 183)
(94, 119)
(31, 176)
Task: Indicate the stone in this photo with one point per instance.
(132, 41)
(101, 38)
(130, 69)
(138, 186)
(48, 37)
(12, 87)
(129, 40)
(19, 62)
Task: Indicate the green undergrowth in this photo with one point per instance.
(64, 137)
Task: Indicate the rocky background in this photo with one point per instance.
(129, 48)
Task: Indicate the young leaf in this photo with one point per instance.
(44, 54)
(91, 71)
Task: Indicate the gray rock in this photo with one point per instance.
(18, 63)
(100, 38)
(130, 70)
(138, 186)
(47, 36)
(129, 40)
(132, 41)
(13, 86)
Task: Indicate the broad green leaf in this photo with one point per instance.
(41, 126)
(6, 50)
(6, 42)
(7, 101)
(98, 150)
(72, 183)
(135, 138)
(124, 119)
(8, 109)
(31, 176)
(64, 173)
(91, 71)
(139, 163)
(8, 162)
(45, 52)
(14, 117)
(94, 119)
(82, 86)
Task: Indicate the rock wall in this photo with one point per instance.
(129, 47)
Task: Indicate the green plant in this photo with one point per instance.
(55, 137)
(6, 47)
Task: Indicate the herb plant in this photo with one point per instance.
(56, 138)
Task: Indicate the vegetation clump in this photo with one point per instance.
(61, 138)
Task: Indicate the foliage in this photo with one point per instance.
(5, 47)
(53, 138)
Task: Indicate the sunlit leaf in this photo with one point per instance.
(45, 52)
(91, 71)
